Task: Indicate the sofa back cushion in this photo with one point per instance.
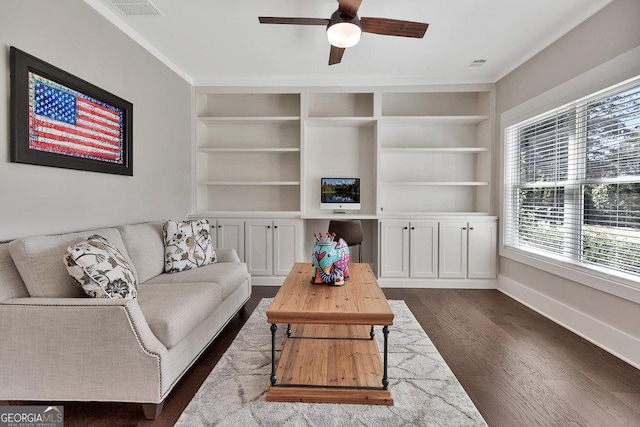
(145, 245)
(11, 284)
(39, 261)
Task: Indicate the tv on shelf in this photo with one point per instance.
(340, 194)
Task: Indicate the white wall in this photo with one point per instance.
(72, 36)
(610, 321)
(606, 35)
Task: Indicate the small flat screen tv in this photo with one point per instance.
(340, 194)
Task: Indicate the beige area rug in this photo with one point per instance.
(425, 391)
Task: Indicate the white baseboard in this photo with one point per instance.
(610, 339)
(267, 280)
(400, 283)
(387, 282)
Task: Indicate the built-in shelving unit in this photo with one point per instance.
(248, 154)
(339, 135)
(435, 153)
(417, 152)
(423, 155)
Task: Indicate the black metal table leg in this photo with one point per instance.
(372, 334)
(274, 328)
(385, 378)
(288, 330)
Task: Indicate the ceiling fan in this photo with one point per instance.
(345, 27)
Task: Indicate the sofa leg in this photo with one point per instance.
(152, 410)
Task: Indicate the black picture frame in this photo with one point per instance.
(33, 143)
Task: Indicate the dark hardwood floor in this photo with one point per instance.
(518, 367)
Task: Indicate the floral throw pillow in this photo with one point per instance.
(187, 245)
(100, 269)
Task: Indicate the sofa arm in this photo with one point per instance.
(227, 255)
(80, 349)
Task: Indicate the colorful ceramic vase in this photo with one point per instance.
(330, 260)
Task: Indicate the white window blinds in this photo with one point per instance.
(572, 182)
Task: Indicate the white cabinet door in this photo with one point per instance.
(230, 235)
(259, 247)
(453, 250)
(287, 240)
(394, 249)
(423, 249)
(482, 250)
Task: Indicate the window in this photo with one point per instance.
(572, 183)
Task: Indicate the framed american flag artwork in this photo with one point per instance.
(60, 120)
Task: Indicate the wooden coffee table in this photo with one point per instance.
(330, 354)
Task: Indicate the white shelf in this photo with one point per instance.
(435, 150)
(244, 121)
(338, 216)
(246, 214)
(454, 120)
(248, 150)
(297, 214)
(251, 183)
(436, 183)
(427, 215)
(340, 121)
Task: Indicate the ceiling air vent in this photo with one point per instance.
(135, 7)
(476, 63)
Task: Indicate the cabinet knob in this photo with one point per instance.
(275, 226)
(405, 228)
(219, 226)
(470, 228)
(268, 226)
(413, 228)
(464, 228)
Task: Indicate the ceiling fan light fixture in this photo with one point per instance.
(343, 30)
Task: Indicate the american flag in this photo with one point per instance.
(67, 122)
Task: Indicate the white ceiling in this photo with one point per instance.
(213, 42)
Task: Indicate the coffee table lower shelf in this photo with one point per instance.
(330, 364)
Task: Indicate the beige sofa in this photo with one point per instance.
(56, 344)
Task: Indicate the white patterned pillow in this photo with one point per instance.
(187, 245)
(100, 269)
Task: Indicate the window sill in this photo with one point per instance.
(601, 281)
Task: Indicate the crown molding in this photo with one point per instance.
(112, 17)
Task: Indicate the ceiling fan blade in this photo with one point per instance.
(292, 21)
(335, 56)
(349, 7)
(393, 27)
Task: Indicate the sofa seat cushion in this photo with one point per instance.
(173, 310)
(229, 275)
